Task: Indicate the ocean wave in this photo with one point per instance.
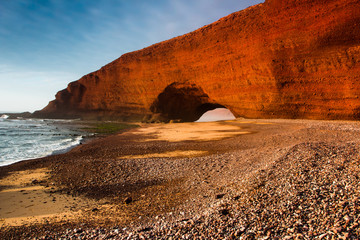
(20, 140)
(70, 145)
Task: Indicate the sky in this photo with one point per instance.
(46, 44)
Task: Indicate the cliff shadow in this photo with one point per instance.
(183, 101)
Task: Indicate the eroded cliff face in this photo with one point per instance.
(279, 59)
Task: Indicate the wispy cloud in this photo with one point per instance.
(27, 90)
(46, 44)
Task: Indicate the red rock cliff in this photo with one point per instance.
(279, 59)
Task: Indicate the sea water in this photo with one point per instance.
(22, 139)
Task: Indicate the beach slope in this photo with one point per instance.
(240, 178)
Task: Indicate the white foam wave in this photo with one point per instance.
(32, 150)
(20, 141)
(67, 145)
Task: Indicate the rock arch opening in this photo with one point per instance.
(217, 114)
(183, 101)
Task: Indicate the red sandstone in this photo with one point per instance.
(279, 59)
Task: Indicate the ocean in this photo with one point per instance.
(22, 139)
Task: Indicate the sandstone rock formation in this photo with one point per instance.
(279, 59)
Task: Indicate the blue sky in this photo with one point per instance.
(44, 45)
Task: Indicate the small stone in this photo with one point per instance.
(218, 196)
(224, 212)
(322, 236)
(242, 228)
(145, 229)
(128, 200)
(35, 181)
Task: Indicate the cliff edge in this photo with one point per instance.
(279, 59)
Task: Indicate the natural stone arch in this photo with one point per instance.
(183, 101)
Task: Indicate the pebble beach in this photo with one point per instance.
(240, 179)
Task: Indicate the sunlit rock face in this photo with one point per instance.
(279, 59)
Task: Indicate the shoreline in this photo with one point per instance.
(87, 130)
(160, 177)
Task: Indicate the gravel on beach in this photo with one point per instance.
(291, 179)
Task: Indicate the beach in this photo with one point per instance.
(255, 179)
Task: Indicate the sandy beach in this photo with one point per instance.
(255, 179)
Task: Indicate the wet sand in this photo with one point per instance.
(159, 175)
